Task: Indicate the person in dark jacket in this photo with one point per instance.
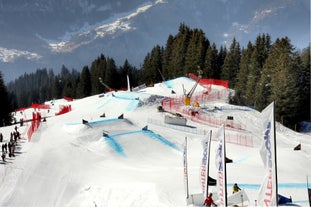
(209, 201)
(3, 156)
(6, 147)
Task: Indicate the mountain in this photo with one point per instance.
(117, 162)
(47, 34)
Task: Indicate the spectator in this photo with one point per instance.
(235, 188)
(209, 201)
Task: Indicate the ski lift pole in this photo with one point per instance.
(101, 81)
(163, 79)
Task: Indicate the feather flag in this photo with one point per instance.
(221, 166)
(268, 190)
(309, 194)
(205, 165)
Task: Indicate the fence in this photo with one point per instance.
(199, 97)
(191, 130)
(231, 137)
(209, 82)
(34, 125)
(176, 105)
(63, 110)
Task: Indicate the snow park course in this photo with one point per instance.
(115, 149)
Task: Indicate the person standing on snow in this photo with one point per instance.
(3, 148)
(235, 188)
(209, 201)
(3, 156)
(6, 147)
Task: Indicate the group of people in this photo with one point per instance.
(209, 199)
(10, 147)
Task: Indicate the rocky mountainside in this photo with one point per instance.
(47, 34)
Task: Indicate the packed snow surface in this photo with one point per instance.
(114, 162)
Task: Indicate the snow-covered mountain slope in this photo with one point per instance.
(115, 162)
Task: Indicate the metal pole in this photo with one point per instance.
(275, 157)
(208, 161)
(225, 166)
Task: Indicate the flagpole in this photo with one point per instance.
(208, 160)
(275, 156)
(225, 167)
(186, 169)
(309, 191)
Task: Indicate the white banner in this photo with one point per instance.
(204, 166)
(268, 189)
(128, 83)
(221, 166)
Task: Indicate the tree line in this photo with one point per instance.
(43, 84)
(260, 73)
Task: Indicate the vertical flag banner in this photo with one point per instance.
(221, 166)
(186, 168)
(205, 165)
(268, 189)
(128, 83)
(309, 194)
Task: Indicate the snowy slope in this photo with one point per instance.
(68, 163)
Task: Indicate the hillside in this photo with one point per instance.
(113, 161)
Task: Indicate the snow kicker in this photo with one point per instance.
(119, 149)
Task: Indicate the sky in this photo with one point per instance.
(68, 163)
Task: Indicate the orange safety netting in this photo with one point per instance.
(63, 110)
(206, 81)
(40, 106)
(35, 123)
(176, 105)
(68, 98)
(21, 109)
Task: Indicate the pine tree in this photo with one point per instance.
(167, 66)
(211, 64)
(152, 68)
(85, 85)
(220, 60)
(70, 84)
(180, 45)
(195, 52)
(5, 112)
(111, 75)
(243, 75)
(231, 64)
(304, 86)
(57, 87)
(97, 71)
(128, 70)
(279, 82)
(258, 58)
(263, 88)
